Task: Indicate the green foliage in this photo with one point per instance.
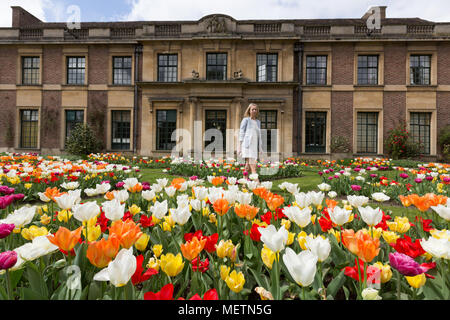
(340, 144)
(82, 141)
(399, 144)
(444, 141)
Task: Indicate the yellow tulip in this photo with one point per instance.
(134, 209)
(291, 237)
(157, 250)
(416, 281)
(313, 218)
(172, 265)
(286, 223)
(141, 243)
(45, 219)
(390, 236)
(440, 234)
(64, 215)
(153, 263)
(43, 209)
(235, 281)
(267, 256)
(385, 271)
(400, 224)
(33, 232)
(28, 185)
(224, 248)
(336, 234)
(301, 238)
(224, 272)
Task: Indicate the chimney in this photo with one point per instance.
(371, 11)
(22, 18)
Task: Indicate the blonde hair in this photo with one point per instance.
(247, 111)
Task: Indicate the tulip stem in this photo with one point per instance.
(8, 285)
(398, 284)
(303, 293)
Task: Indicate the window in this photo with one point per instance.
(267, 66)
(216, 119)
(268, 120)
(315, 127)
(316, 70)
(167, 67)
(76, 69)
(166, 123)
(216, 66)
(30, 70)
(368, 70)
(73, 117)
(122, 70)
(367, 132)
(28, 128)
(121, 130)
(420, 69)
(420, 130)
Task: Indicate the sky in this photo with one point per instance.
(169, 10)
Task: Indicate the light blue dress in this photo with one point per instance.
(250, 137)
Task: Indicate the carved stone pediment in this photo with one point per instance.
(217, 24)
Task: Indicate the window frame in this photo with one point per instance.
(358, 135)
(268, 66)
(120, 145)
(66, 111)
(69, 69)
(421, 69)
(317, 148)
(225, 72)
(316, 68)
(36, 128)
(264, 124)
(368, 68)
(168, 66)
(38, 68)
(167, 139)
(224, 130)
(122, 69)
(426, 148)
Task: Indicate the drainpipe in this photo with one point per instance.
(298, 48)
(137, 52)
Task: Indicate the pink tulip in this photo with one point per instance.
(6, 229)
(405, 264)
(403, 175)
(7, 259)
(356, 187)
(418, 180)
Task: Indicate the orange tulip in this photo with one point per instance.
(246, 211)
(221, 206)
(274, 201)
(261, 192)
(406, 200)
(177, 182)
(361, 244)
(65, 239)
(109, 195)
(136, 188)
(128, 232)
(217, 181)
(192, 249)
(100, 253)
(53, 193)
(331, 203)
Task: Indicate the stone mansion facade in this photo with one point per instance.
(315, 81)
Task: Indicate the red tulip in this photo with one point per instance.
(138, 276)
(166, 293)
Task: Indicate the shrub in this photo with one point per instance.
(399, 144)
(82, 141)
(444, 141)
(339, 144)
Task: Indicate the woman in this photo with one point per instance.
(250, 141)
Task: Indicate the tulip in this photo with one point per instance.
(86, 211)
(356, 187)
(141, 243)
(7, 259)
(361, 244)
(139, 275)
(192, 249)
(442, 211)
(128, 232)
(339, 215)
(166, 293)
(301, 217)
(302, 267)
(319, 246)
(120, 270)
(65, 239)
(221, 206)
(66, 201)
(148, 195)
(20, 217)
(113, 209)
(40, 246)
(370, 215)
(100, 253)
(6, 229)
(224, 248)
(405, 264)
(385, 271)
(370, 294)
(235, 281)
(172, 265)
(246, 211)
(273, 239)
(134, 209)
(33, 232)
(439, 248)
(400, 224)
(416, 281)
(357, 201)
(267, 256)
(159, 209)
(224, 272)
(181, 215)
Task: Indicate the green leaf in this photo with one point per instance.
(30, 294)
(15, 277)
(95, 291)
(338, 255)
(257, 278)
(432, 291)
(336, 284)
(36, 280)
(3, 293)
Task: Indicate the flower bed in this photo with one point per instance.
(234, 240)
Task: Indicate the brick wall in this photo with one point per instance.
(52, 65)
(22, 18)
(8, 118)
(51, 125)
(394, 110)
(342, 115)
(8, 64)
(98, 64)
(394, 64)
(96, 113)
(342, 66)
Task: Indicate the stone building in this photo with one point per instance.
(318, 83)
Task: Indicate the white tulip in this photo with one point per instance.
(302, 267)
(120, 270)
(43, 197)
(316, 197)
(121, 195)
(91, 192)
(332, 194)
(232, 180)
(156, 187)
(102, 188)
(370, 215)
(159, 209)
(162, 182)
(267, 184)
(196, 204)
(339, 215)
(380, 197)
(324, 187)
(86, 211)
(181, 215)
(438, 248)
(357, 201)
(244, 197)
(442, 211)
(319, 246)
(200, 192)
(113, 209)
(20, 217)
(302, 217)
(273, 239)
(65, 201)
(370, 294)
(130, 183)
(148, 195)
(302, 200)
(170, 191)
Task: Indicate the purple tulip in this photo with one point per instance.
(327, 171)
(356, 187)
(120, 184)
(6, 190)
(331, 170)
(193, 178)
(330, 178)
(6, 201)
(405, 264)
(429, 178)
(418, 180)
(320, 173)
(6, 229)
(446, 179)
(373, 175)
(105, 181)
(342, 172)
(403, 175)
(18, 196)
(357, 169)
(7, 259)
